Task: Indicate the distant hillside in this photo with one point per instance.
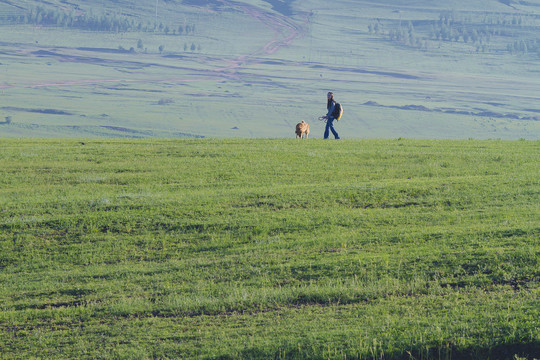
(255, 68)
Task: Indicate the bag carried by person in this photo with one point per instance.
(338, 111)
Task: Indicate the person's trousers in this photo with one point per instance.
(330, 127)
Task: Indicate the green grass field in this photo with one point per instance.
(230, 249)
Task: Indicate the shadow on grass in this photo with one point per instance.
(498, 352)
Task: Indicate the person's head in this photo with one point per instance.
(330, 96)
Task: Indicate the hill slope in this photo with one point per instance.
(269, 249)
(255, 68)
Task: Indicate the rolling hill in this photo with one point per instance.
(255, 68)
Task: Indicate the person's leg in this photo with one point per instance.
(330, 124)
(327, 129)
(335, 133)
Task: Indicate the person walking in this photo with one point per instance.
(330, 105)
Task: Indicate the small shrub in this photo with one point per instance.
(165, 101)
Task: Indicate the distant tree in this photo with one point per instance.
(523, 46)
(474, 36)
(193, 47)
(49, 15)
(161, 48)
(60, 19)
(140, 44)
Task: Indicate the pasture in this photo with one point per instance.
(278, 248)
(253, 69)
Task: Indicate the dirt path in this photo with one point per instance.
(285, 31)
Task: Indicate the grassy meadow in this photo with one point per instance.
(275, 248)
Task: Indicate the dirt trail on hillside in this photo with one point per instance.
(284, 29)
